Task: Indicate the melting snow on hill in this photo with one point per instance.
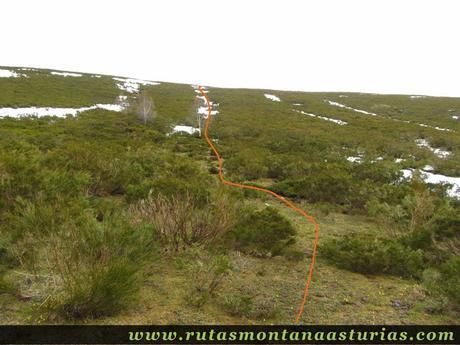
(272, 97)
(59, 112)
(339, 122)
(438, 152)
(185, 129)
(203, 109)
(429, 177)
(202, 114)
(340, 105)
(355, 159)
(5, 73)
(417, 96)
(132, 85)
(67, 74)
(435, 127)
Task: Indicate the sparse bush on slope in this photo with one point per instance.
(445, 281)
(93, 266)
(208, 274)
(421, 239)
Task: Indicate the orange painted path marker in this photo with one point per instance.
(287, 202)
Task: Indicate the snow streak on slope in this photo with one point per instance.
(340, 105)
(435, 127)
(59, 112)
(67, 74)
(339, 122)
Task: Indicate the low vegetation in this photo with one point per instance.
(108, 217)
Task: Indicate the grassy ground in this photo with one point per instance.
(336, 296)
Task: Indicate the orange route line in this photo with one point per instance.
(284, 200)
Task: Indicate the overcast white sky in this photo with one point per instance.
(384, 46)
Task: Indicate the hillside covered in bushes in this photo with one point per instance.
(111, 210)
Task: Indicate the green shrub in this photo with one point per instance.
(248, 164)
(103, 290)
(450, 279)
(294, 254)
(366, 254)
(242, 304)
(103, 268)
(5, 286)
(264, 307)
(446, 224)
(445, 281)
(422, 239)
(236, 304)
(95, 263)
(328, 186)
(208, 273)
(264, 232)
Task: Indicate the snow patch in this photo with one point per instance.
(122, 100)
(185, 129)
(197, 90)
(355, 159)
(132, 85)
(428, 177)
(272, 97)
(455, 117)
(428, 168)
(67, 74)
(204, 111)
(59, 112)
(417, 96)
(5, 73)
(438, 152)
(339, 122)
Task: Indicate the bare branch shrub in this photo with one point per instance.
(422, 208)
(179, 221)
(146, 108)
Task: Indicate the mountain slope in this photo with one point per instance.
(79, 194)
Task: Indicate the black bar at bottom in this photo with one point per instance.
(330, 334)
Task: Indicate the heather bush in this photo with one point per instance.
(262, 233)
(93, 265)
(365, 253)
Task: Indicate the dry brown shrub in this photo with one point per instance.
(180, 221)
